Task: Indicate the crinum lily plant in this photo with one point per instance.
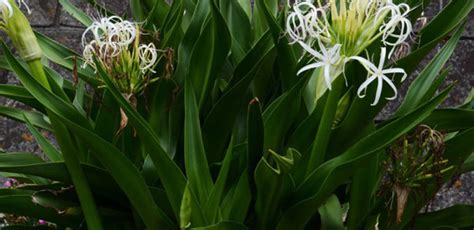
(226, 114)
(345, 30)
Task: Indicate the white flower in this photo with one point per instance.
(296, 21)
(125, 33)
(101, 30)
(148, 56)
(326, 59)
(398, 26)
(379, 74)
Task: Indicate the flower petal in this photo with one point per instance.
(310, 66)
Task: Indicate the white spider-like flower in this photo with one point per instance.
(148, 56)
(316, 22)
(88, 55)
(125, 33)
(398, 26)
(379, 74)
(296, 21)
(326, 59)
(101, 30)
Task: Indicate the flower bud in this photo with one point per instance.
(20, 32)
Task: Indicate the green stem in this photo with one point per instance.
(318, 152)
(70, 159)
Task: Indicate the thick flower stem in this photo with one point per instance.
(68, 150)
(318, 152)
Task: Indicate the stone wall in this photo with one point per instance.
(48, 17)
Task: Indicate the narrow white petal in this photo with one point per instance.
(365, 84)
(394, 88)
(383, 52)
(378, 93)
(369, 66)
(327, 76)
(310, 50)
(310, 66)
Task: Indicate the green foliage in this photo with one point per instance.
(223, 137)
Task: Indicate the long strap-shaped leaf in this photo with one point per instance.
(218, 124)
(36, 118)
(195, 159)
(76, 12)
(41, 89)
(171, 176)
(423, 82)
(320, 184)
(20, 202)
(46, 146)
(455, 217)
(29, 164)
(124, 172)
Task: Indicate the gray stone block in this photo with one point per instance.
(120, 8)
(43, 12)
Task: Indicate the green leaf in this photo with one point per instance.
(156, 16)
(468, 165)
(286, 57)
(185, 210)
(331, 214)
(197, 169)
(235, 205)
(446, 20)
(322, 182)
(20, 94)
(185, 50)
(220, 120)
(272, 184)
(239, 27)
(280, 115)
(29, 164)
(51, 152)
(36, 118)
(420, 87)
(64, 57)
(363, 188)
(22, 204)
(255, 135)
(170, 174)
(126, 175)
(224, 225)
(318, 152)
(76, 12)
(172, 32)
(209, 55)
(259, 20)
(123, 171)
(138, 11)
(217, 193)
(457, 217)
(450, 120)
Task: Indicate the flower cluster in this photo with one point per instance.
(115, 43)
(412, 162)
(342, 29)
